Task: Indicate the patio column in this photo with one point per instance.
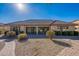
(37, 30)
(61, 29)
(51, 28)
(18, 29)
(23, 28)
(11, 28)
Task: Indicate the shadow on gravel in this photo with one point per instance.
(61, 43)
(67, 37)
(7, 39)
(3, 37)
(10, 39)
(2, 45)
(24, 40)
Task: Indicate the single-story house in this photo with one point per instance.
(77, 26)
(40, 26)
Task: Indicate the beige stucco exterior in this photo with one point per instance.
(23, 28)
(52, 27)
(76, 27)
(57, 28)
(4, 28)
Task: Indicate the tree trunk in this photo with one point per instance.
(50, 37)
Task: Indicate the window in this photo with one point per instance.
(66, 27)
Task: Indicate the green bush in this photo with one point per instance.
(58, 33)
(71, 33)
(22, 36)
(75, 33)
(11, 33)
(5, 33)
(66, 33)
(21, 32)
(2, 31)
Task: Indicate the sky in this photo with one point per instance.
(11, 12)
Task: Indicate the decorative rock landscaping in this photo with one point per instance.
(2, 44)
(39, 47)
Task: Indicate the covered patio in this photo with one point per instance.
(38, 28)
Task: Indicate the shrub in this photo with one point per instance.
(22, 36)
(5, 33)
(11, 33)
(58, 33)
(2, 31)
(49, 34)
(75, 33)
(71, 33)
(66, 33)
(21, 32)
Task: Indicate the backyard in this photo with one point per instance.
(41, 47)
(39, 29)
(58, 46)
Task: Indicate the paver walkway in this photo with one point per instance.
(9, 49)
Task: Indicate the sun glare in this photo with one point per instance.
(20, 6)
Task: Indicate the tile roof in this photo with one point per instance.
(32, 22)
(37, 22)
(58, 23)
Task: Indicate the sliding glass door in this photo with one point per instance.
(42, 30)
(31, 30)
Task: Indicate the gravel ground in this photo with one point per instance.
(2, 44)
(41, 47)
(8, 49)
(73, 51)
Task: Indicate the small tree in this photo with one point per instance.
(22, 36)
(50, 34)
(11, 34)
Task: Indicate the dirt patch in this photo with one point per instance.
(38, 47)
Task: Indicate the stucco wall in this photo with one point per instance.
(23, 28)
(76, 27)
(57, 28)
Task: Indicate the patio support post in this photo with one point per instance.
(18, 29)
(22, 28)
(25, 29)
(11, 28)
(51, 28)
(61, 29)
(37, 30)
